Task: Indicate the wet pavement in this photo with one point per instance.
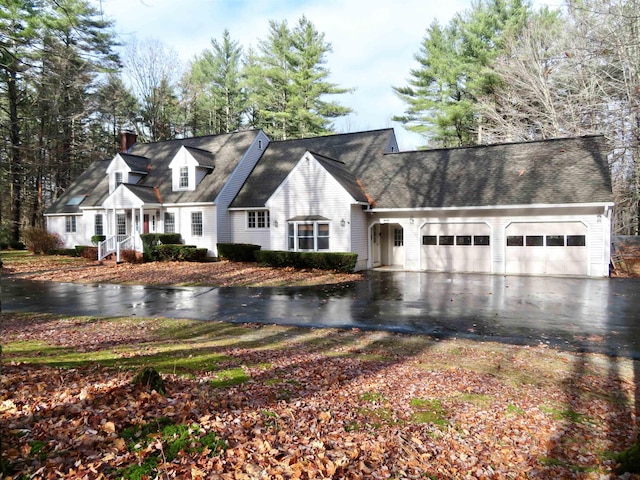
(600, 315)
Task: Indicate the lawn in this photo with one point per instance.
(249, 401)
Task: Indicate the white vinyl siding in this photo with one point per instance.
(243, 234)
(310, 190)
(359, 236)
(226, 230)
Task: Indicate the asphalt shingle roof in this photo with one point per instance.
(223, 151)
(355, 150)
(558, 171)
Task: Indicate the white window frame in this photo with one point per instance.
(70, 224)
(197, 227)
(183, 177)
(258, 219)
(172, 224)
(317, 235)
(121, 224)
(118, 178)
(98, 224)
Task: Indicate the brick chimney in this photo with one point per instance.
(127, 140)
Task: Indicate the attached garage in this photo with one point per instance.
(547, 248)
(456, 247)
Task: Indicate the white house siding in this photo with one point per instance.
(57, 223)
(208, 239)
(592, 260)
(234, 184)
(359, 237)
(242, 234)
(310, 190)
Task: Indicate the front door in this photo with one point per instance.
(397, 245)
(145, 224)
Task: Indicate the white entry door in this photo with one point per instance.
(397, 245)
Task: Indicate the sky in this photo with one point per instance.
(373, 41)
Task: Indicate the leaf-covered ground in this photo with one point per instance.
(70, 269)
(252, 402)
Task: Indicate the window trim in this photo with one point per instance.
(183, 178)
(172, 223)
(293, 237)
(258, 219)
(197, 226)
(98, 226)
(70, 224)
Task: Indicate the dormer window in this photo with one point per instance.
(184, 177)
(118, 178)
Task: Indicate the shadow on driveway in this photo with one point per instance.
(581, 314)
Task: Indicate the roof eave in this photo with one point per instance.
(493, 207)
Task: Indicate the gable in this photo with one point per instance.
(311, 182)
(123, 197)
(354, 150)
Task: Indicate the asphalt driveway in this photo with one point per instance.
(601, 315)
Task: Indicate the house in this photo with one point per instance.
(540, 207)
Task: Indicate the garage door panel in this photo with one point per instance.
(463, 254)
(547, 248)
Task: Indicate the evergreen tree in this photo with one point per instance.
(455, 67)
(287, 83)
(214, 86)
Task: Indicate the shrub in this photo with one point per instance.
(339, 261)
(96, 239)
(70, 252)
(179, 252)
(131, 256)
(238, 252)
(87, 251)
(151, 240)
(38, 240)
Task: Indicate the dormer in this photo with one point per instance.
(126, 168)
(189, 166)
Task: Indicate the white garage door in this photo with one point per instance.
(546, 248)
(456, 247)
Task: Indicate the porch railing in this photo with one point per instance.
(117, 243)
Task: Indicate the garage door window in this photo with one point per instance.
(481, 240)
(445, 240)
(555, 240)
(463, 239)
(515, 241)
(429, 239)
(576, 240)
(535, 240)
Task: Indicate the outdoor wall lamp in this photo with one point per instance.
(342, 223)
(412, 220)
(275, 223)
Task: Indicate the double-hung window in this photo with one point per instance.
(98, 224)
(169, 222)
(196, 224)
(184, 177)
(70, 224)
(308, 236)
(121, 224)
(258, 219)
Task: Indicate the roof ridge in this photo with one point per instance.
(332, 135)
(491, 145)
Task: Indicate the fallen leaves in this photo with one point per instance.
(315, 404)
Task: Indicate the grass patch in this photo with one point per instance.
(230, 377)
(429, 411)
(567, 414)
(478, 399)
(373, 397)
(514, 410)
